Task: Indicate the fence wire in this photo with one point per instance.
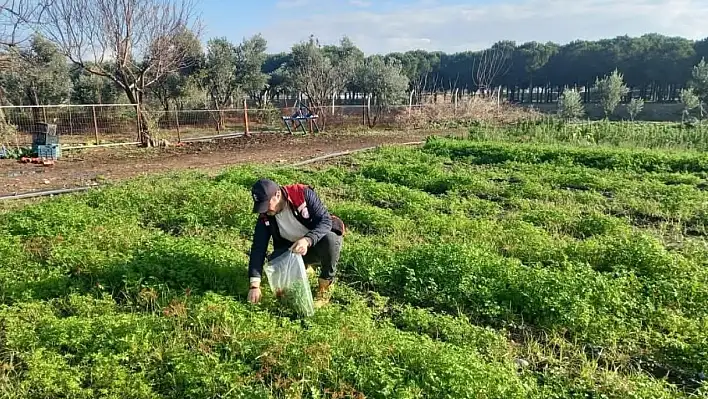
(118, 123)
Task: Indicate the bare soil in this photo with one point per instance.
(87, 167)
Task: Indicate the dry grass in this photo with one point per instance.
(473, 110)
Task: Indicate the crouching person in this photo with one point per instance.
(296, 219)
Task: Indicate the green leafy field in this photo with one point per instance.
(471, 270)
(617, 134)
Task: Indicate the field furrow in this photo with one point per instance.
(470, 270)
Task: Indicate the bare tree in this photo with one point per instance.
(134, 43)
(488, 65)
(15, 17)
(420, 83)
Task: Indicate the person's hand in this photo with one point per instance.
(300, 246)
(254, 295)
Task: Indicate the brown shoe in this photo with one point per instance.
(324, 293)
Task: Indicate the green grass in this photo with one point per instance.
(657, 135)
(470, 270)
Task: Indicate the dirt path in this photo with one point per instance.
(90, 167)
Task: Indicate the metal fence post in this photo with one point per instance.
(71, 123)
(363, 112)
(455, 113)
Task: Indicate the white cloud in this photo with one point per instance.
(429, 25)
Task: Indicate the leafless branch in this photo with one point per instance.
(16, 19)
(134, 43)
(489, 65)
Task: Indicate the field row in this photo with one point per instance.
(471, 269)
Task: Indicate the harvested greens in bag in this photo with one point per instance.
(288, 280)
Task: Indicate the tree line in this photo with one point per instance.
(149, 53)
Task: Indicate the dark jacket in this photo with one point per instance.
(308, 209)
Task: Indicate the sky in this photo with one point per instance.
(383, 26)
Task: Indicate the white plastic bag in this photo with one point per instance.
(287, 278)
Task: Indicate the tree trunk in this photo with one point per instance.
(142, 125)
(220, 122)
(371, 121)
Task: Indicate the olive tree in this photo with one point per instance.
(15, 17)
(36, 75)
(232, 71)
(570, 105)
(690, 101)
(699, 80)
(180, 86)
(320, 73)
(382, 82)
(610, 90)
(635, 107)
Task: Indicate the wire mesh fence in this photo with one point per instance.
(75, 124)
(118, 123)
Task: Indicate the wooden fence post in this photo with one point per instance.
(137, 122)
(179, 138)
(95, 124)
(245, 115)
(71, 123)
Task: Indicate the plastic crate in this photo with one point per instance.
(44, 134)
(50, 151)
(46, 138)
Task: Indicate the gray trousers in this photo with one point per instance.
(326, 254)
